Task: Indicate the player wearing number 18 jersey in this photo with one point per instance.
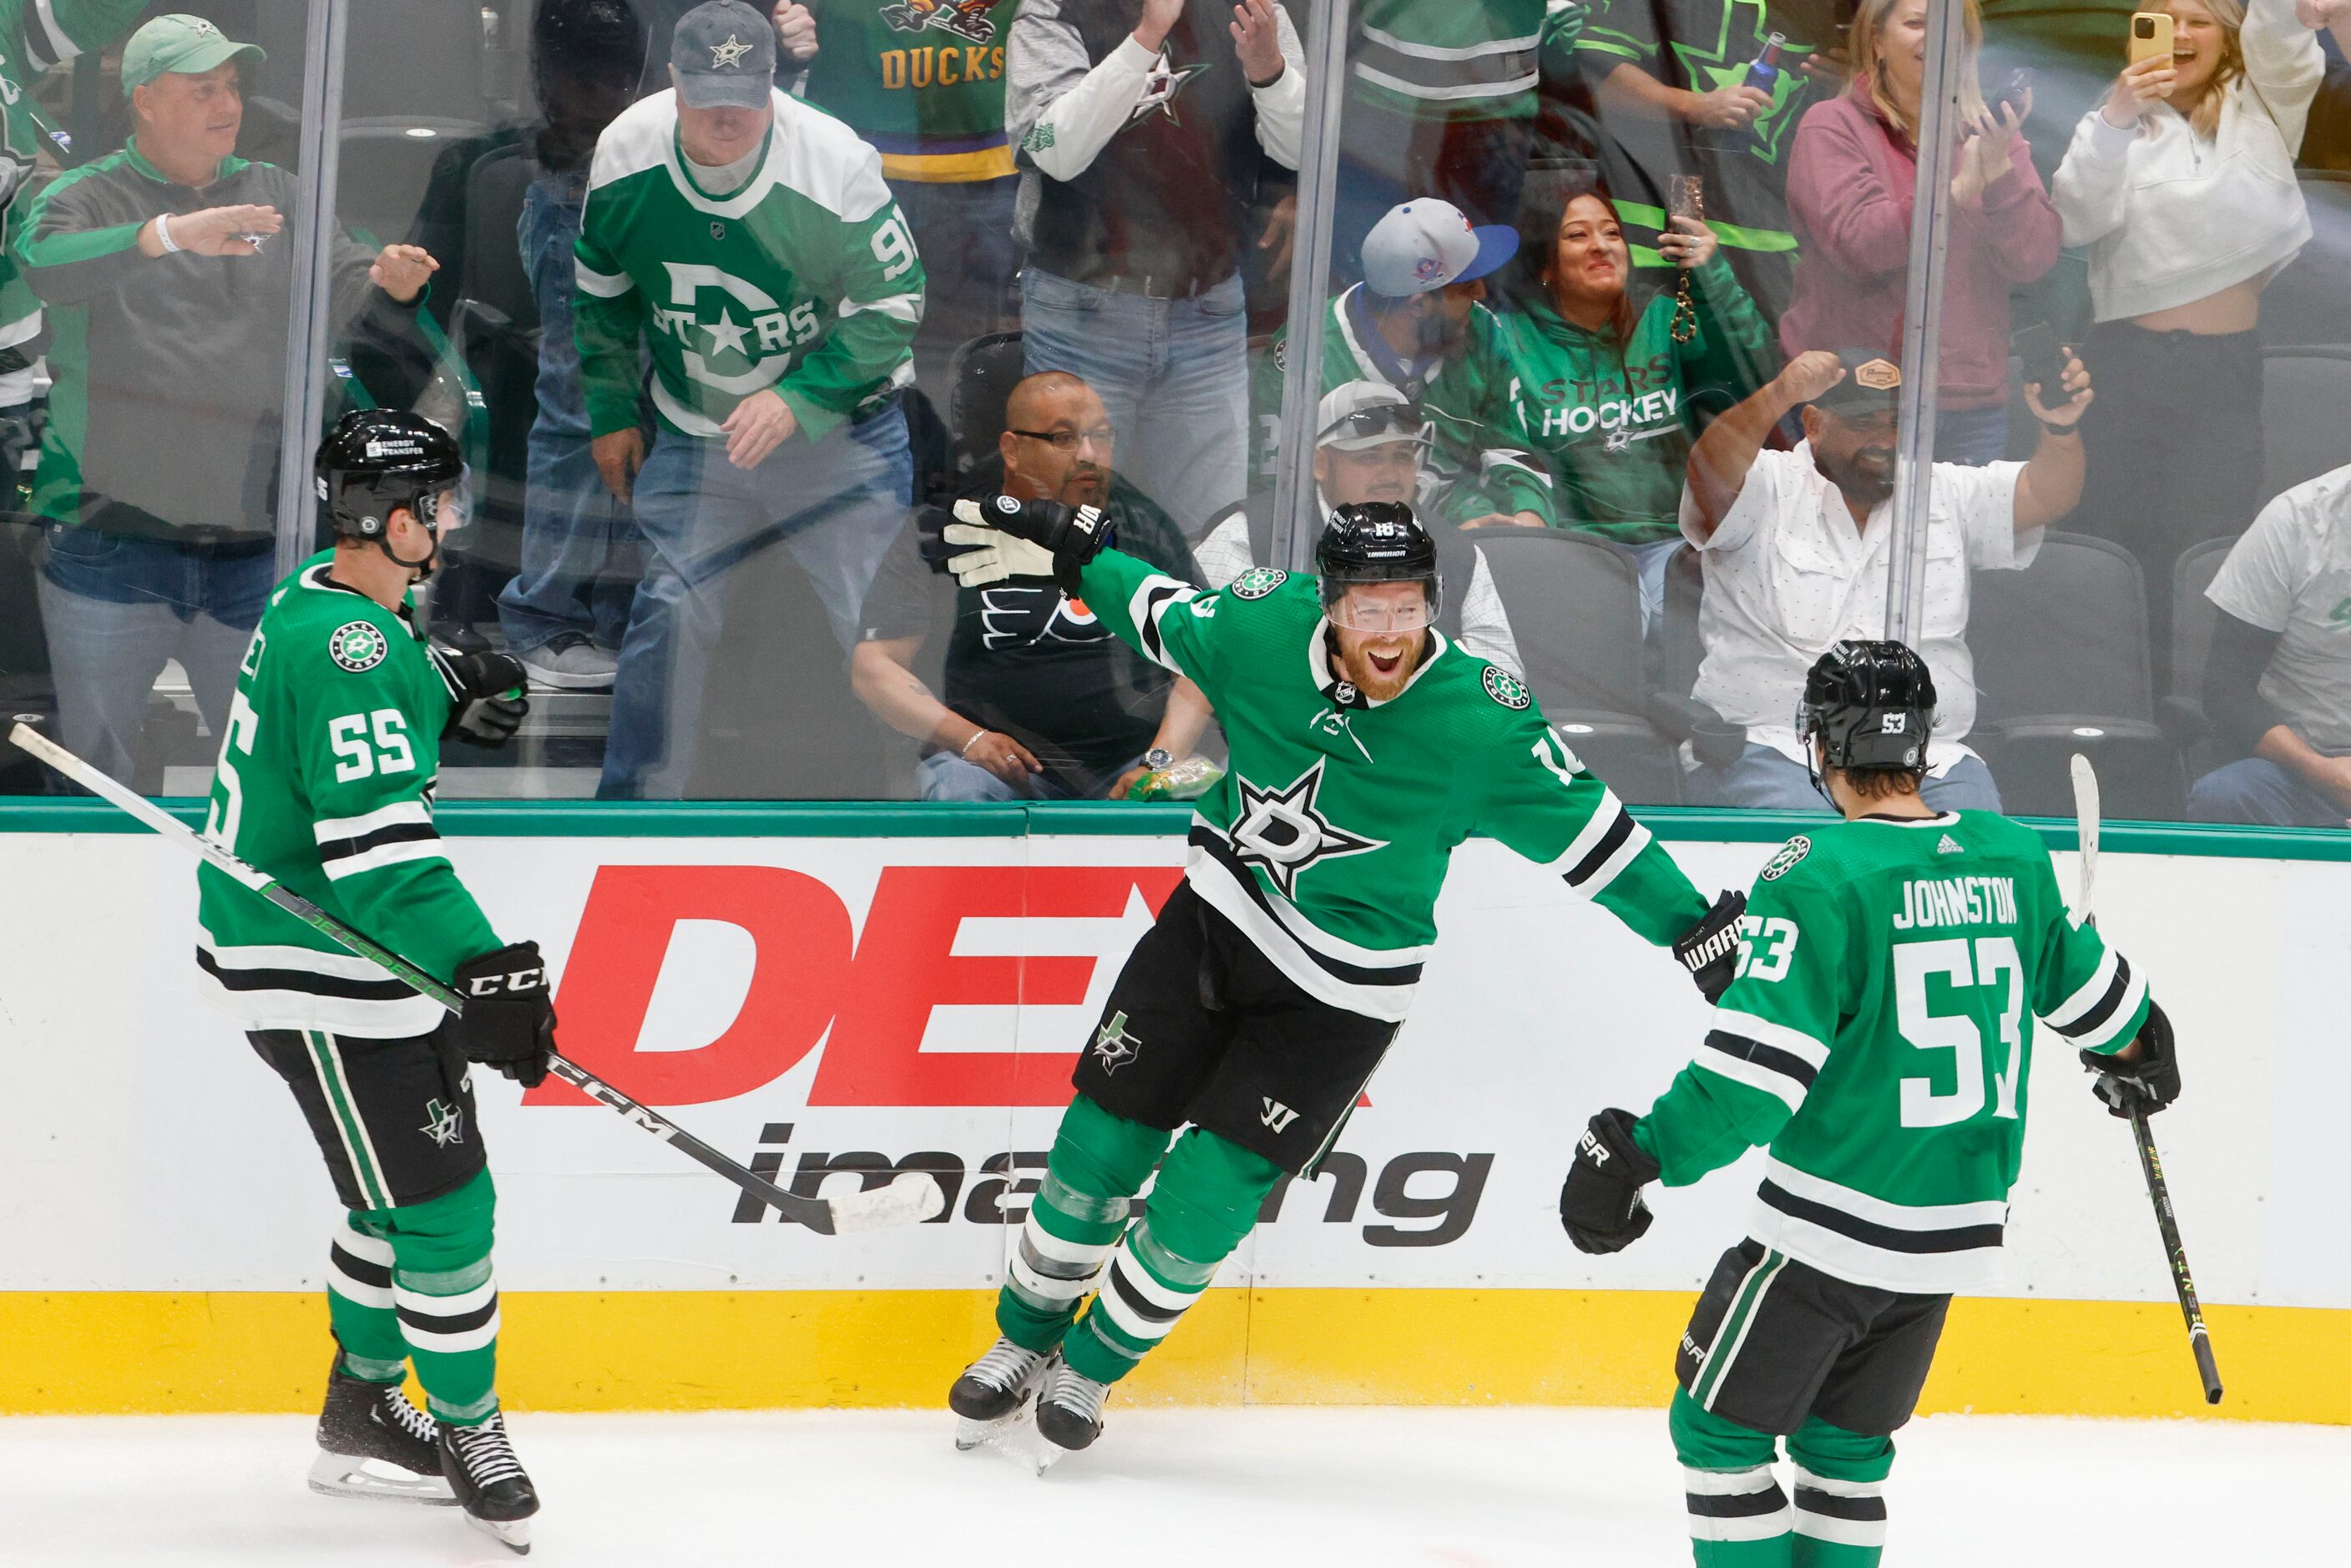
(1877, 1037)
(325, 782)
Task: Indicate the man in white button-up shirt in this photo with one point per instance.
(1797, 547)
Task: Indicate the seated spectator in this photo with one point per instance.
(1143, 138)
(1797, 549)
(1606, 381)
(167, 286)
(1850, 182)
(1369, 446)
(1417, 323)
(565, 610)
(2277, 682)
(780, 423)
(2181, 183)
(1042, 702)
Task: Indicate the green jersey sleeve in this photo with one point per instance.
(2081, 989)
(607, 316)
(1772, 1031)
(1169, 622)
(367, 745)
(869, 263)
(1539, 798)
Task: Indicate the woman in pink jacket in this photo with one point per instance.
(1850, 183)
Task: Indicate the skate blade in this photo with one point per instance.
(340, 1475)
(1014, 1438)
(512, 1533)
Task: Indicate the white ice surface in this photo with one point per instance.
(1205, 1488)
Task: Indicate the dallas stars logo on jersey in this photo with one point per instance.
(1162, 88)
(1284, 830)
(358, 646)
(444, 1123)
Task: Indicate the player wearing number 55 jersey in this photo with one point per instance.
(1878, 1040)
(325, 781)
(1365, 747)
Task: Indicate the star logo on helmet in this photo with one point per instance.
(727, 56)
(1284, 833)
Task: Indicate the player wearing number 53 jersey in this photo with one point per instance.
(1877, 1039)
(325, 782)
(1365, 747)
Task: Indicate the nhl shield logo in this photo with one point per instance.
(718, 229)
(1508, 689)
(1257, 581)
(358, 646)
(1784, 859)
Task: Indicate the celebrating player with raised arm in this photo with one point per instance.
(1877, 1037)
(326, 783)
(1366, 745)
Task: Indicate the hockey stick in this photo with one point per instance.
(2159, 1191)
(913, 1197)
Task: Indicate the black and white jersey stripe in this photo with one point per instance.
(1377, 983)
(1913, 1247)
(1155, 599)
(1849, 1514)
(1735, 1505)
(1608, 842)
(403, 831)
(2096, 1016)
(1780, 1061)
(267, 986)
(46, 43)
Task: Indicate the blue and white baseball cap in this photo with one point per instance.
(1426, 244)
(725, 57)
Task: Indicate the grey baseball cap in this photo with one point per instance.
(725, 57)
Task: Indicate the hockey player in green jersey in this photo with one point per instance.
(325, 781)
(1877, 1039)
(1366, 745)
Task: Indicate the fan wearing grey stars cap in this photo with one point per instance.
(749, 244)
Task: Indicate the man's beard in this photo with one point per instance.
(1864, 487)
(1376, 687)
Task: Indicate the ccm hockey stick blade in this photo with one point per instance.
(2150, 1164)
(913, 1197)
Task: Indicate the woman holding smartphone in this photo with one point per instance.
(1850, 181)
(2181, 183)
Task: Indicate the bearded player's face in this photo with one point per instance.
(1379, 627)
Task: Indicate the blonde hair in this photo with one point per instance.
(2205, 119)
(1869, 19)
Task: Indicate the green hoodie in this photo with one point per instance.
(1614, 428)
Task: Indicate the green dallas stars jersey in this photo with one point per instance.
(326, 782)
(804, 279)
(1327, 841)
(1880, 1038)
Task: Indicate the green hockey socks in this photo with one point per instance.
(1740, 1516)
(415, 1283)
(1099, 1161)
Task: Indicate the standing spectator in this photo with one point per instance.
(565, 610)
(779, 424)
(168, 294)
(1369, 445)
(2277, 682)
(1419, 322)
(1043, 701)
(1143, 129)
(2182, 185)
(1850, 184)
(922, 81)
(1688, 89)
(1603, 389)
(1797, 549)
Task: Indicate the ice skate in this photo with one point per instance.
(993, 1390)
(1069, 1408)
(488, 1480)
(372, 1443)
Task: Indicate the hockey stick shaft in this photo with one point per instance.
(2150, 1163)
(817, 1213)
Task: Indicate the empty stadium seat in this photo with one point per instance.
(2306, 414)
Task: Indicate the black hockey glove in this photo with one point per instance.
(509, 1021)
(2146, 1086)
(486, 694)
(1600, 1204)
(1070, 536)
(1709, 949)
(931, 523)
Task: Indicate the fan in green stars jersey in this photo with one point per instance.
(1877, 1039)
(1366, 745)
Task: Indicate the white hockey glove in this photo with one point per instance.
(987, 555)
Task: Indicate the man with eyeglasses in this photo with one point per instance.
(1371, 444)
(1041, 701)
(1365, 745)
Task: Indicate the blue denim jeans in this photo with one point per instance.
(581, 553)
(944, 775)
(2257, 791)
(963, 230)
(1765, 780)
(117, 608)
(1173, 374)
(1971, 436)
(836, 504)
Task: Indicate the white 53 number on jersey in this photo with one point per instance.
(1766, 945)
(355, 759)
(1987, 961)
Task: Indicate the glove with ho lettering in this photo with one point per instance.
(510, 1019)
(1709, 949)
(1600, 1204)
(1069, 535)
(486, 694)
(2141, 1087)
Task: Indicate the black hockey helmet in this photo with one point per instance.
(1374, 541)
(378, 460)
(1871, 704)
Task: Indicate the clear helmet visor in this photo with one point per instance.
(449, 512)
(1382, 608)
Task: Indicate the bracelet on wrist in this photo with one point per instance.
(973, 741)
(2060, 429)
(163, 234)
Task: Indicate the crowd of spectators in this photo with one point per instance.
(790, 273)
